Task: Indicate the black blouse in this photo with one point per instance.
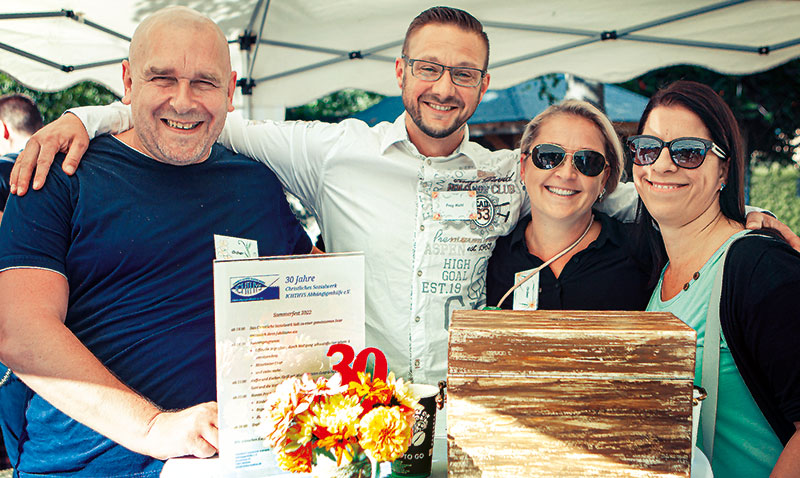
(761, 323)
(607, 275)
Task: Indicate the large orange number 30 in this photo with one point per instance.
(350, 373)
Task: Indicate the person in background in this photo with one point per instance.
(570, 159)
(689, 170)
(106, 284)
(19, 119)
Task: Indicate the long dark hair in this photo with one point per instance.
(720, 122)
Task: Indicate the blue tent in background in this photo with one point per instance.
(520, 103)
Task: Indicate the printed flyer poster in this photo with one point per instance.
(276, 318)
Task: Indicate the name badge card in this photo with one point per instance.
(526, 296)
(276, 317)
(454, 205)
(228, 247)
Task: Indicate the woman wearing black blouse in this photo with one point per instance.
(570, 158)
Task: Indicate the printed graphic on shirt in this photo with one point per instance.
(493, 197)
(451, 256)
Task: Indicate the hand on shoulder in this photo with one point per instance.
(67, 134)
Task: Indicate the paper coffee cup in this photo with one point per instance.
(417, 460)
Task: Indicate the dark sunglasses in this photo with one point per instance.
(688, 153)
(550, 156)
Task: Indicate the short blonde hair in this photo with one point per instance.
(613, 146)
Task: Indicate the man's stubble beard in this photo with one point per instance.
(413, 110)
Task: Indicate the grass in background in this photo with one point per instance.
(774, 187)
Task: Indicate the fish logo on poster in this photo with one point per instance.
(246, 289)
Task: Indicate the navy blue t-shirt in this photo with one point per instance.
(6, 165)
(134, 238)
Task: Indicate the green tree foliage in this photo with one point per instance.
(53, 104)
(335, 106)
(766, 104)
(775, 188)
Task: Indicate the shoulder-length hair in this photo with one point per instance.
(613, 146)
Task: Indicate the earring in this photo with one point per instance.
(722, 187)
(602, 193)
(523, 187)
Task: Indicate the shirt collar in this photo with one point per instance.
(10, 157)
(607, 232)
(397, 133)
(518, 235)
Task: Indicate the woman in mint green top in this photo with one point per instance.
(688, 167)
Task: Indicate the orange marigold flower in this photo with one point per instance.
(385, 433)
(298, 461)
(402, 393)
(280, 410)
(323, 386)
(371, 392)
(343, 446)
(303, 430)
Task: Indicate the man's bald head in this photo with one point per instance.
(179, 83)
(174, 18)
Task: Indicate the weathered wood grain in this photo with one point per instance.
(602, 344)
(596, 394)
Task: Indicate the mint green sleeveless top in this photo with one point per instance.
(744, 445)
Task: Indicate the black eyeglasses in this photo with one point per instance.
(688, 153)
(431, 71)
(550, 156)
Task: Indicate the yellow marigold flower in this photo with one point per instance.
(303, 430)
(402, 393)
(323, 386)
(371, 391)
(280, 410)
(343, 447)
(339, 414)
(363, 383)
(384, 433)
(298, 461)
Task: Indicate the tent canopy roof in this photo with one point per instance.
(307, 48)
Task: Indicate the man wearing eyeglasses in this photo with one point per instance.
(424, 203)
(436, 109)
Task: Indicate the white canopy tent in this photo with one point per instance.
(299, 50)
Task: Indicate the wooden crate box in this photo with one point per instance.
(569, 394)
